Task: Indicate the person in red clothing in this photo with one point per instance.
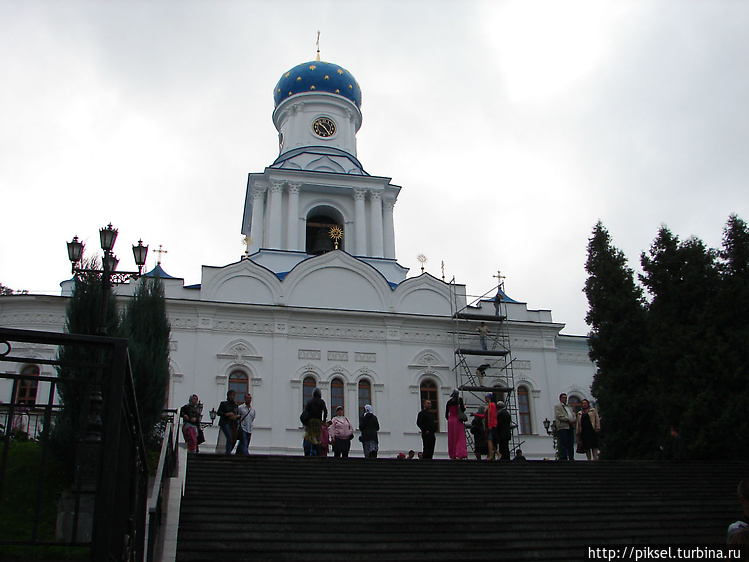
(491, 426)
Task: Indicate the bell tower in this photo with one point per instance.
(317, 186)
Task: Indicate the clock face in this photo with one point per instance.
(324, 127)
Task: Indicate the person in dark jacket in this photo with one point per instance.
(504, 431)
(478, 430)
(369, 426)
(427, 423)
(228, 414)
(318, 413)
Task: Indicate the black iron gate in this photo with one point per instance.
(103, 508)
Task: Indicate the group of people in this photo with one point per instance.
(491, 428)
(234, 422)
(585, 425)
(320, 434)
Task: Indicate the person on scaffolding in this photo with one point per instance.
(483, 331)
(497, 301)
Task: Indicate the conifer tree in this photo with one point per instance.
(82, 317)
(147, 328)
(617, 319)
(730, 401)
(682, 279)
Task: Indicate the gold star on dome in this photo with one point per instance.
(312, 67)
(337, 91)
(287, 74)
(340, 71)
(327, 77)
(350, 87)
(312, 87)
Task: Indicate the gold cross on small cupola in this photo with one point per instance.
(160, 251)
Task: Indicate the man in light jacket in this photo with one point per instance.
(564, 419)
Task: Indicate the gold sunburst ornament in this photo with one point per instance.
(336, 233)
(423, 259)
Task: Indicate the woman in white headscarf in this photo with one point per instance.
(369, 426)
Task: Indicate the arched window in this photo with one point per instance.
(308, 386)
(336, 394)
(524, 410)
(428, 391)
(365, 395)
(239, 382)
(26, 393)
(574, 402)
(319, 222)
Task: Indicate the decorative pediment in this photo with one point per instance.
(240, 352)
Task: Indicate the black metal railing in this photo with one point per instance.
(102, 505)
(166, 469)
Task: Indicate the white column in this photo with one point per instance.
(258, 215)
(389, 229)
(376, 230)
(275, 215)
(292, 226)
(360, 219)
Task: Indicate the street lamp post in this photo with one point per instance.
(109, 273)
(109, 276)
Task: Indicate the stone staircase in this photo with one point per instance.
(296, 508)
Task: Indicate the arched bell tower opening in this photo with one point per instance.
(320, 221)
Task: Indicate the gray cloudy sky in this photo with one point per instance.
(512, 127)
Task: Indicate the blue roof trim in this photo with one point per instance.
(506, 298)
(317, 76)
(318, 150)
(158, 271)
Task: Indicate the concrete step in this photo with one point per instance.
(292, 508)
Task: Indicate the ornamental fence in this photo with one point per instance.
(102, 500)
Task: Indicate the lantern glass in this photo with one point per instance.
(108, 236)
(110, 262)
(75, 250)
(139, 253)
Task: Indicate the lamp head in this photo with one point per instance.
(75, 250)
(108, 236)
(139, 253)
(110, 261)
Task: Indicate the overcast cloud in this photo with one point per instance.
(512, 127)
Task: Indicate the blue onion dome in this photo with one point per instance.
(317, 76)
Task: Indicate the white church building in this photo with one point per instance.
(319, 300)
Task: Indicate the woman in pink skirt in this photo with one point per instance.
(456, 431)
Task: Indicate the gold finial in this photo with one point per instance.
(423, 259)
(336, 233)
(160, 251)
(318, 45)
(246, 240)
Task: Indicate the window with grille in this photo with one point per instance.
(365, 395)
(308, 387)
(524, 411)
(26, 393)
(239, 382)
(428, 391)
(336, 394)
